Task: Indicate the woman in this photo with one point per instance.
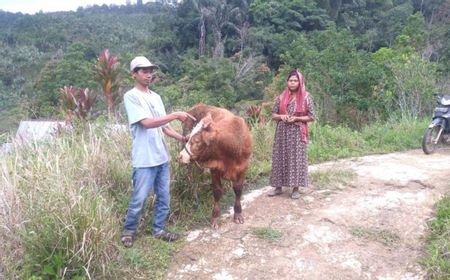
(293, 109)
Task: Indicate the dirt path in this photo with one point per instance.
(370, 228)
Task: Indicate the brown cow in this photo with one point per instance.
(221, 142)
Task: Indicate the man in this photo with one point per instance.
(148, 121)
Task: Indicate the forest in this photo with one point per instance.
(363, 60)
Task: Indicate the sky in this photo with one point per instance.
(34, 6)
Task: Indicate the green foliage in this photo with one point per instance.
(334, 142)
(384, 236)
(149, 258)
(284, 15)
(16, 66)
(213, 83)
(436, 261)
(64, 190)
(221, 82)
(415, 32)
(377, 22)
(278, 23)
(262, 136)
(208, 81)
(329, 143)
(409, 82)
(267, 233)
(332, 67)
(72, 234)
(331, 41)
(72, 70)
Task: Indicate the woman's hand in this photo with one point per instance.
(285, 118)
(288, 119)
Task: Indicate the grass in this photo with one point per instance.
(267, 233)
(149, 258)
(64, 200)
(436, 260)
(332, 143)
(331, 178)
(383, 236)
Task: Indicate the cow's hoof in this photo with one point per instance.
(238, 219)
(214, 224)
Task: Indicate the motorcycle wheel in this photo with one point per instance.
(429, 141)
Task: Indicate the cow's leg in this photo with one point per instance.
(238, 186)
(218, 191)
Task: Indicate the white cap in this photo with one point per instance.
(141, 62)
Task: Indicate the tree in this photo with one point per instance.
(275, 24)
(408, 82)
(219, 24)
(289, 15)
(339, 76)
(433, 9)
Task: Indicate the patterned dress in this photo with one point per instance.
(289, 157)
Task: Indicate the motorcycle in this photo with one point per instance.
(438, 132)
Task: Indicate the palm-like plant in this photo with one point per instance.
(107, 74)
(76, 102)
(256, 115)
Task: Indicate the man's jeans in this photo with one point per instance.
(144, 179)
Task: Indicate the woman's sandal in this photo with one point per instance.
(167, 236)
(295, 195)
(127, 240)
(275, 192)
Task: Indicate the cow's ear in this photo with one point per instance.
(207, 121)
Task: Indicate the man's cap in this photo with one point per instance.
(141, 62)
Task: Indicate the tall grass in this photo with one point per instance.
(436, 260)
(62, 202)
(262, 136)
(65, 218)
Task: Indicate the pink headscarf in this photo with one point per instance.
(301, 103)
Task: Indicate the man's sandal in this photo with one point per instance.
(166, 236)
(127, 240)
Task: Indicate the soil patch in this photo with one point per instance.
(372, 227)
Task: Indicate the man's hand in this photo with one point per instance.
(185, 139)
(183, 116)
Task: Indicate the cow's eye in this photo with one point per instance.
(195, 139)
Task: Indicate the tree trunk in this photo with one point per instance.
(202, 39)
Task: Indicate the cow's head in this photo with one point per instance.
(199, 140)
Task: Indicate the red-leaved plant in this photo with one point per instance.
(76, 102)
(108, 75)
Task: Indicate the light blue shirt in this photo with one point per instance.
(149, 148)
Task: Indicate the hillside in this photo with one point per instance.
(360, 58)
